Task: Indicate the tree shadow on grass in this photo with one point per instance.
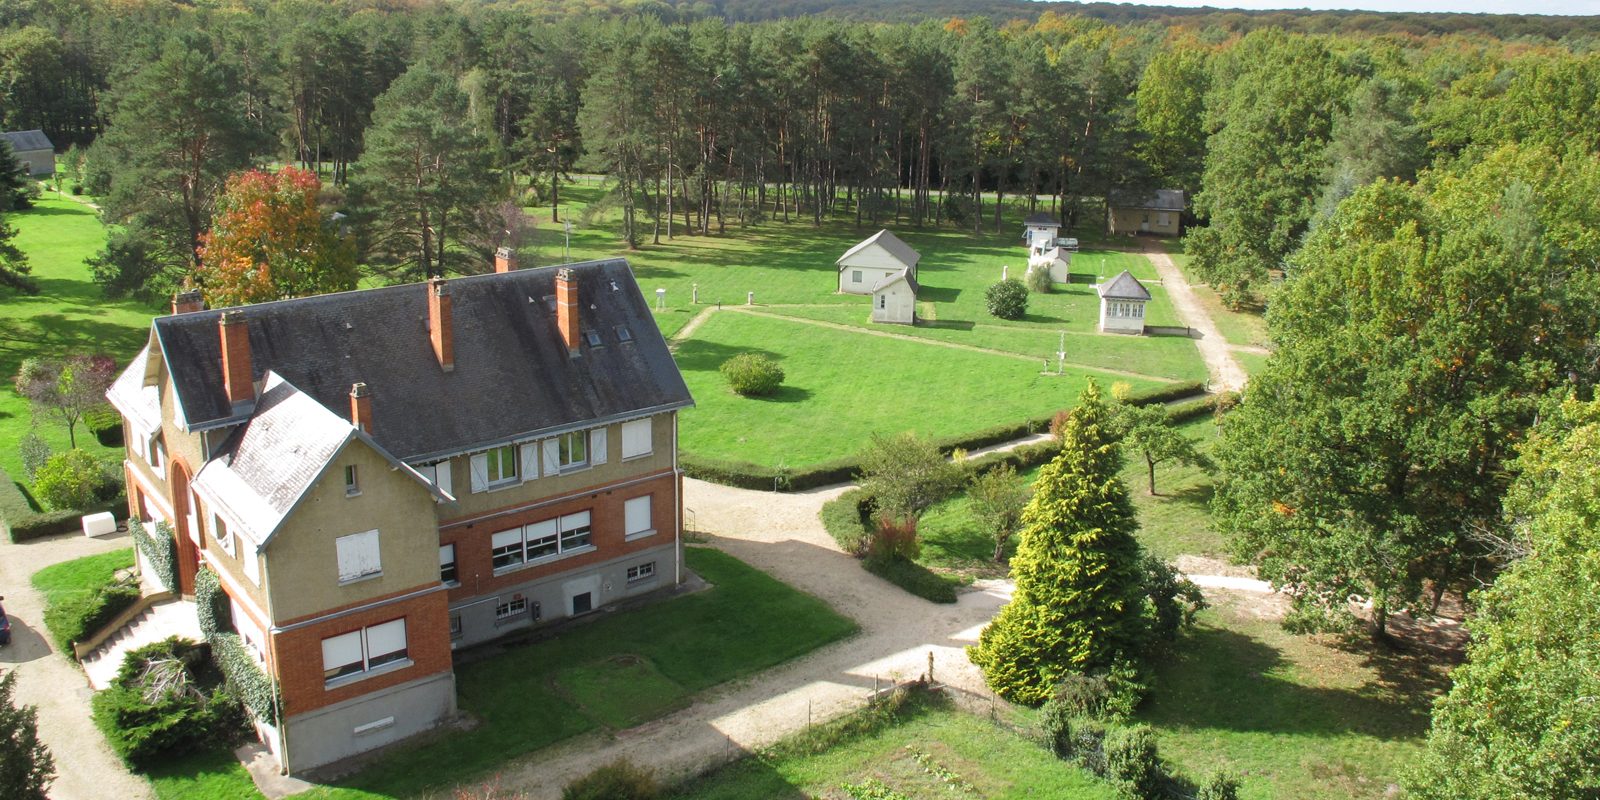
(937, 294)
(947, 324)
(1224, 679)
(699, 354)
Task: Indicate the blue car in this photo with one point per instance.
(5, 626)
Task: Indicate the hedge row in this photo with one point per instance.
(22, 520)
(160, 549)
(82, 615)
(746, 475)
(257, 690)
(914, 578)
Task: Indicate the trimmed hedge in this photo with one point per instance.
(914, 578)
(211, 603)
(77, 618)
(160, 549)
(257, 690)
(22, 519)
(848, 519)
(745, 475)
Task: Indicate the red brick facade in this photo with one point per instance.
(474, 562)
(298, 652)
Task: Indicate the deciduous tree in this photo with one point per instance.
(907, 474)
(1148, 431)
(997, 498)
(66, 388)
(269, 240)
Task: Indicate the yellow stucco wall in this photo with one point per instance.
(1137, 220)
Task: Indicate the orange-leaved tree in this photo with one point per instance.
(270, 240)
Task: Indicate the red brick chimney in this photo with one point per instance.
(439, 323)
(237, 378)
(361, 407)
(505, 260)
(187, 301)
(567, 307)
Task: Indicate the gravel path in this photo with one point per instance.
(85, 766)
(1226, 374)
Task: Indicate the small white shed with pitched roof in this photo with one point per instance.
(880, 256)
(894, 299)
(1122, 302)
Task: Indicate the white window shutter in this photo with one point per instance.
(480, 472)
(428, 472)
(389, 637)
(597, 446)
(552, 457)
(338, 651)
(506, 538)
(442, 477)
(637, 515)
(530, 460)
(636, 438)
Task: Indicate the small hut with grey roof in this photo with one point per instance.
(879, 256)
(34, 152)
(1122, 301)
(1159, 212)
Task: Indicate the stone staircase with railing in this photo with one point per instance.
(153, 618)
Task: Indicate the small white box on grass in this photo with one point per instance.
(101, 524)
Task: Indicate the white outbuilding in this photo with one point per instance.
(894, 299)
(1122, 302)
(35, 155)
(878, 257)
(1039, 233)
(1058, 260)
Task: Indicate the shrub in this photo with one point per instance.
(159, 548)
(81, 615)
(846, 520)
(211, 603)
(752, 375)
(908, 474)
(1056, 720)
(35, 454)
(1081, 695)
(252, 685)
(1218, 785)
(26, 766)
(1174, 600)
(166, 700)
(894, 539)
(914, 578)
(1007, 299)
(106, 425)
(1039, 279)
(1132, 762)
(70, 480)
(619, 780)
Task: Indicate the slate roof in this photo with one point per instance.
(27, 140)
(902, 275)
(264, 468)
(513, 377)
(1158, 200)
(133, 394)
(896, 248)
(1124, 287)
(1042, 218)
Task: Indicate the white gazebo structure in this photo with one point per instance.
(1122, 302)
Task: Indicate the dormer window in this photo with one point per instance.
(352, 486)
(623, 334)
(502, 464)
(592, 336)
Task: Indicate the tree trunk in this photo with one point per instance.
(1151, 465)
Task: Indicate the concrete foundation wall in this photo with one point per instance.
(336, 732)
(551, 598)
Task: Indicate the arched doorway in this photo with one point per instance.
(186, 527)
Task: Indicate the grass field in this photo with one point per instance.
(1237, 327)
(636, 665)
(843, 386)
(63, 582)
(928, 749)
(68, 315)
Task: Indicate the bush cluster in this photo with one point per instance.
(752, 375)
(166, 700)
(74, 479)
(160, 549)
(914, 578)
(619, 780)
(1007, 299)
(80, 616)
(848, 518)
(1039, 279)
(21, 519)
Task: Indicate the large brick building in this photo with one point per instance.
(382, 476)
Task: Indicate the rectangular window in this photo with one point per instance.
(573, 449)
(575, 532)
(367, 649)
(855, 276)
(359, 557)
(636, 438)
(447, 563)
(507, 548)
(455, 626)
(883, 301)
(636, 514)
(351, 486)
(502, 465)
(639, 572)
(542, 538)
(505, 608)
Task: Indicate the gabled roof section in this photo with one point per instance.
(1124, 287)
(264, 469)
(892, 244)
(1042, 218)
(1158, 200)
(136, 394)
(513, 377)
(902, 275)
(27, 140)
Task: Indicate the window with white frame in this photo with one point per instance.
(855, 276)
(540, 540)
(636, 517)
(508, 607)
(455, 626)
(363, 650)
(502, 465)
(447, 563)
(156, 451)
(358, 556)
(506, 548)
(575, 531)
(636, 438)
(883, 301)
(572, 449)
(543, 539)
(639, 572)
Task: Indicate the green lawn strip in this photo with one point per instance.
(68, 315)
(1296, 716)
(1253, 363)
(622, 691)
(80, 577)
(205, 775)
(926, 750)
(1175, 522)
(842, 386)
(76, 600)
(747, 623)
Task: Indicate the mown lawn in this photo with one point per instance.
(69, 580)
(842, 386)
(529, 696)
(68, 315)
(928, 749)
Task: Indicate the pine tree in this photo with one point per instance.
(1079, 603)
(26, 767)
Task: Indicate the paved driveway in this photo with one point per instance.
(86, 769)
